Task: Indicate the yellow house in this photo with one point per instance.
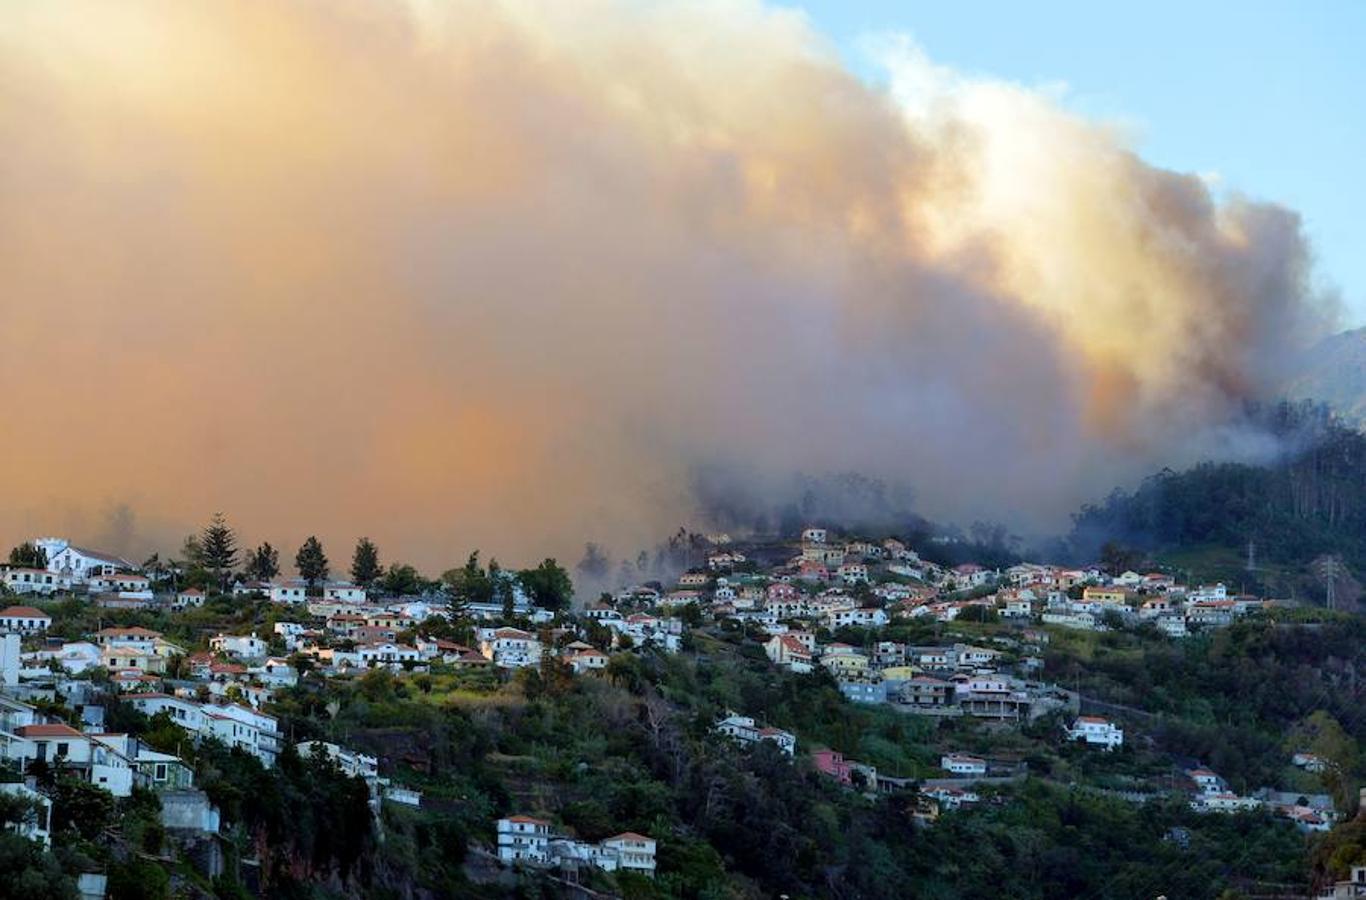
(845, 661)
(900, 673)
(1105, 595)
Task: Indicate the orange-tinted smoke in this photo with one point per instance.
(501, 274)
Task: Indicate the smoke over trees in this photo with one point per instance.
(592, 253)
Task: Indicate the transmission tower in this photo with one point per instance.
(1328, 569)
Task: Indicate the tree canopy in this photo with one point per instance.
(311, 562)
(365, 566)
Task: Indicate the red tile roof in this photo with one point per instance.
(47, 731)
(23, 612)
(629, 836)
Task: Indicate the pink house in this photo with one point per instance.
(832, 763)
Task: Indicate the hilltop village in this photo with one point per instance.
(158, 693)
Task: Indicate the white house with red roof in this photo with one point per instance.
(634, 852)
(1096, 731)
(971, 575)
(97, 758)
(590, 659)
(794, 650)
(23, 620)
(1207, 781)
(745, 730)
(189, 598)
(510, 648)
(135, 637)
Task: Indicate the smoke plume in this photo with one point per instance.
(508, 274)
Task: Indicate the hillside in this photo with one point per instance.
(1334, 372)
(1308, 504)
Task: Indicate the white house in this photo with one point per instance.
(23, 620)
(634, 852)
(75, 657)
(963, 764)
(96, 758)
(951, 798)
(1208, 592)
(343, 592)
(189, 599)
(386, 653)
(23, 581)
(135, 638)
(744, 730)
(862, 617)
(796, 650)
(234, 725)
(590, 660)
(79, 564)
(125, 584)
(1206, 781)
(523, 839)
(511, 648)
(242, 646)
(813, 535)
(971, 575)
(1096, 731)
(294, 590)
(351, 762)
(1223, 802)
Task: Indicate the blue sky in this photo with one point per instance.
(1271, 96)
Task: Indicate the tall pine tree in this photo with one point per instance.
(365, 567)
(218, 545)
(311, 562)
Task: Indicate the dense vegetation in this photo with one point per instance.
(1308, 499)
(633, 751)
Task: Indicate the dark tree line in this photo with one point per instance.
(1309, 500)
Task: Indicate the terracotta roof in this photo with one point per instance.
(43, 731)
(527, 820)
(629, 836)
(23, 612)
